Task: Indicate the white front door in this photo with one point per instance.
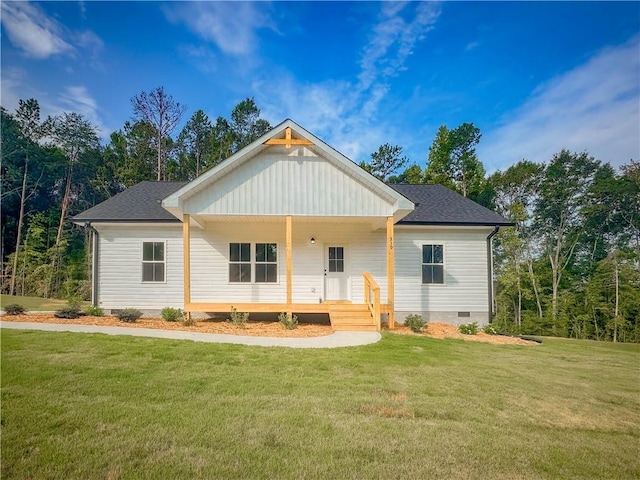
(336, 273)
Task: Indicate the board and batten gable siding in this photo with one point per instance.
(120, 271)
(465, 265)
(294, 181)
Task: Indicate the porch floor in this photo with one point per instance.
(344, 316)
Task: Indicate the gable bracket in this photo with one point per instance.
(288, 141)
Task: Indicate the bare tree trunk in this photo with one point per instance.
(616, 312)
(159, 156)
(14, 271)
(535, 286)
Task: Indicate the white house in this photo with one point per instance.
(288, 224)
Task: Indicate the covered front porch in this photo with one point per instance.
(322, 268)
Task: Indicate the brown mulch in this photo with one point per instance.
(445, 330)
(256, 329)
(259, 328)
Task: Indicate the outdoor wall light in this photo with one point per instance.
(313, 241)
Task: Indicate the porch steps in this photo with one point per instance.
(351, 317)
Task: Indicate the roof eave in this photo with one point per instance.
(457, 224)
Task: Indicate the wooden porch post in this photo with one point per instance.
(186, 260)
(390, 273)
(289, 276)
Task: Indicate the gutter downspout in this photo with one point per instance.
(490, 270)
(94, 265)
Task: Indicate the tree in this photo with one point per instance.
(515, 194)
(559, 214)
(76, 137)
(246, 124)
(412, 175)
(131, 155)
(386, 160)
(162, 112)
(195, 143)
(32, 129)
(453, 161)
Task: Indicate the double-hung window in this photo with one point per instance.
(433, 264)
(239, 262)
(253, 263)
(266, 263)
(153, 261)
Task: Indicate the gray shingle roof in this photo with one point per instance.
(140, 203)
(437, 205)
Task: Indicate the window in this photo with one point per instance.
(239, 262)
(153, 261)
(266, 262)
(336, 259)
(432, 264)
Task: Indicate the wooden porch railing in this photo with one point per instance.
(372, 297)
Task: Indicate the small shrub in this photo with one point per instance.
(14, 309)
(94, 311)
(490, 329)
(287, 321)
(129, 315)
(188, 321)
(415, 322)
(171, 314)
(469, 329)
(74, 302)
(239, 319)
(67, 312)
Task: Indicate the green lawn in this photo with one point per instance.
(78, 406)
(35, 304)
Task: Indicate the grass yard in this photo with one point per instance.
(78, 406)
(34, 304)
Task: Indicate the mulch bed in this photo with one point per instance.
(260, 328)
(445, 330)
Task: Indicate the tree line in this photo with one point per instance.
(570, 266)
(56, 167)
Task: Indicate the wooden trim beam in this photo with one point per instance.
(390, 274)
(287, 141)
(289, 266)
(186, 261)
(259, 307)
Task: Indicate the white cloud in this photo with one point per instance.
(346, 114)
(230, 25)
(32, 31)
(593, 107)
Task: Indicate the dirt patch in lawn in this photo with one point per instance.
(253, 328)
(445, 330)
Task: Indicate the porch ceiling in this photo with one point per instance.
(202, 219)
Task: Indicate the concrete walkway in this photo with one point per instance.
(337, 339)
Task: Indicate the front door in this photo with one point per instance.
(336, 273)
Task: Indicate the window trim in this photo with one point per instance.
(143, 261)
(444, 269)
(253, 262)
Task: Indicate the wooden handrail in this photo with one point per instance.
(370, 285)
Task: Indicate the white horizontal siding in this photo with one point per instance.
(210, 265)
(465, 287)
(294, 181)
(120, 267)
(120, 272)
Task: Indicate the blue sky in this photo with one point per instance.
(535, 77)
